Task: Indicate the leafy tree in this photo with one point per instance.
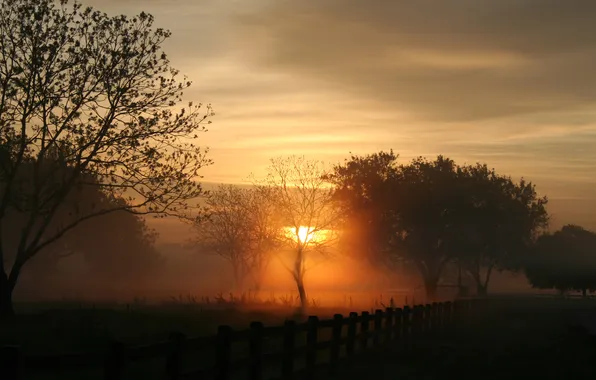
(304, 201)
(432, 213)
(426, 195)
(362, 191)
(564, 260)
(100, 91)
(495, 223)
(241, 228)
(400, 213)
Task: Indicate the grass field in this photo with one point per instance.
(514, 335)
(71, 327)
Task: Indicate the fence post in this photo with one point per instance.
(434, 314)
(365, 317)
(378, 327)
(417, 321)
(10, 362)
(447, 313)
(173, 359)
(115, 361)
(428, 322)
(414, 322)
(406, 323)
(338, 321)
(351, 340)
(223, 347)
(311, 346)
(439, 317)
(388, 325)
(397, 325)
(287, 364)
(256, 351)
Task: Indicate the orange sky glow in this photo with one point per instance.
(326, 78)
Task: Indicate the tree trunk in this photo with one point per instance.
(299, 279)
(6, 288)
(302, 295)
(430, 287)
(481, 284)
(584, 292)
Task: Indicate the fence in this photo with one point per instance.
(382, 327)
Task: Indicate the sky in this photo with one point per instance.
(511, 83)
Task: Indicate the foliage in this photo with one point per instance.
(99, 92)
(362, 193)
(431, 213)
(496, 222)
(564, 260)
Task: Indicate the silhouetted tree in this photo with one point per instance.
(496, 222)
(400, 213)
(100, 91)
(564, 260)
(425, 197)
(118, 250)
(430, 213)
(362, 191)
(311, 220)
(241, 228)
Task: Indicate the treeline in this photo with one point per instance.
(424, 214)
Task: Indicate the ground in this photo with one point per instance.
(519, 337)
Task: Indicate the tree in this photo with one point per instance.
(496, 222)
(240, 228)
(433, 213)
(564, 260)
(426, 195)
(362, 192)
(118, 251)
(401, 213)
(305, 204)
(100, 91)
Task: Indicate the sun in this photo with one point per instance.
(306, 234)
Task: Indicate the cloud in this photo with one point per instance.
(460, 60)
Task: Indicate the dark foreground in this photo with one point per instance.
(513, 338)
(508, 337)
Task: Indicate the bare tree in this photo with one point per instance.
(96, 94)
(310, 217)
(265, 224)
(240, 228)
(226, 230)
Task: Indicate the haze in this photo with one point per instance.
(510, 83)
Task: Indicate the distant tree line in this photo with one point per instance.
(425, 214)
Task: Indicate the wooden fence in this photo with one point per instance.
(352, 334)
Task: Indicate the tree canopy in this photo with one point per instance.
(99, 92)
(432, 213)
(564, 260)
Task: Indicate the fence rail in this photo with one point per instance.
(364, 331)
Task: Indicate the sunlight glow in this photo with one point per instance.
(306, 234)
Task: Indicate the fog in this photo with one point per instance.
(189, 275)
